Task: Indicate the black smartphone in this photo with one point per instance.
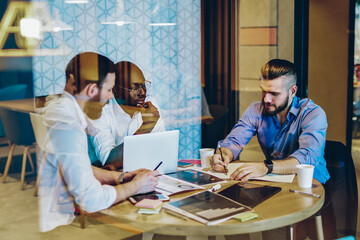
(152, 195)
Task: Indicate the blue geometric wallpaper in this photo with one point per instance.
(169, 55)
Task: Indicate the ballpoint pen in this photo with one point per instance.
(225, 168)
(305, 193)
(157, 166)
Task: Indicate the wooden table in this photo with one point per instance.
(22, 105)
(283, 209)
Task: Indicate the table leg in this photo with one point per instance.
(255, 236)
(147, 236)
(319, 227)
(291, 228)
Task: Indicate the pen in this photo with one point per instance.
(158, 166)
(225, 169)
(305, 193)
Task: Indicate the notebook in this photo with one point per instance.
(148, 150)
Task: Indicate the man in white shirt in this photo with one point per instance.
(66, 175)
(139, 115)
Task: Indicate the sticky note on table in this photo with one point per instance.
(242, 217)
(149, 203)
(149, 210)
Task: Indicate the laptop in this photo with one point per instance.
(148, 150)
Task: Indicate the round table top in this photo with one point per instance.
(282, 209)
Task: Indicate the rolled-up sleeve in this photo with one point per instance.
(312, 137)
(242, 132)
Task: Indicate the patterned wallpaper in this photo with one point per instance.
(168, 55)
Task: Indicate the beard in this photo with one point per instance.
(93, 109)
(277, 109)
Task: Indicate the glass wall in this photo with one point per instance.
(162, 37)
(356, 82)
(264, 33)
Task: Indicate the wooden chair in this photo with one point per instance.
(19, 131)
(40, 131)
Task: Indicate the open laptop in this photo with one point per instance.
(148, 150)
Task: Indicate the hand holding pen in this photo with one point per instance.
(222, 158)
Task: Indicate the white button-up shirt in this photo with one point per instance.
(109, 130)
(64, 166)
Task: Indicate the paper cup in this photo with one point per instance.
(205, 156)
(305, 175)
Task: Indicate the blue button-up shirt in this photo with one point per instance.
(302, 135)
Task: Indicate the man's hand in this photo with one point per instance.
(150, 116)
(146, 181)
(130, 175)
(149, 108)
(249, 170)
(217, 163)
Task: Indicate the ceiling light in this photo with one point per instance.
(161, 24)
(119, 23)
(30, 27)
(77, 1)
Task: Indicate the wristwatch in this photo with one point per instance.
(121, 177)
(269, 164)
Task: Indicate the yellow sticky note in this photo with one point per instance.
(242, 217)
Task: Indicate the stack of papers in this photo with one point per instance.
(149, 211)
(149, 206)
(169, 185)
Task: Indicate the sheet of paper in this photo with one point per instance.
(233, 166)
(168, 185)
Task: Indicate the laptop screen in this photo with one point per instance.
(148, 150)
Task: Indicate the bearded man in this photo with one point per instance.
(290, 130)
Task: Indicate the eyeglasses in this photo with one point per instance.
(138, 88)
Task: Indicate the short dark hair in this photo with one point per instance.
(89, 67)
(279, 67)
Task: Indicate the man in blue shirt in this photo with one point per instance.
(290, 130)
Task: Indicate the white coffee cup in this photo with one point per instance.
(205, 156)
(305, 175)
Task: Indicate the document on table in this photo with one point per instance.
(168, 185)
(268, 177)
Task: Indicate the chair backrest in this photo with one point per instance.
(40, 130)
(17, 126)
(342, 186)
(12, 92)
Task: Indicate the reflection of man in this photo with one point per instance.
(139, 115)
(65, 171)
(290, 131)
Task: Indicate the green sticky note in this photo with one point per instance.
(242, 217)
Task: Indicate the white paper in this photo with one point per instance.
(233, 166)
(168, 185)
